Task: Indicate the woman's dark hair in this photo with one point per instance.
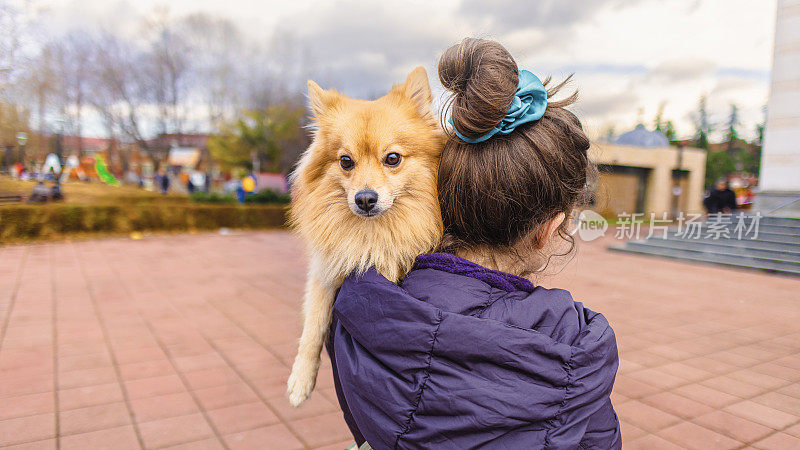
(495, 192)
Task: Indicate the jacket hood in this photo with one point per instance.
(447, 360)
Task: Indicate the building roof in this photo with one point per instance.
(184, 156)
(88, 143)
(642, 137)
(179, 140)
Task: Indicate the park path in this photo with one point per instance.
(186, 340)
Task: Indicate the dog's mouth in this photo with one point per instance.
(371, 214)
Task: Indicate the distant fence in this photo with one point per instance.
(51, 221)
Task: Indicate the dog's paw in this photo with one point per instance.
(300, 385)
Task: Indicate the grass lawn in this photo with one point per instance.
(92, 193)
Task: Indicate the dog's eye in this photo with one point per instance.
(346, 162)
(392, 159)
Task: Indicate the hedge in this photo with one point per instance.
(264, 197)
(30, 222)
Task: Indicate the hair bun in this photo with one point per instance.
(483, 77)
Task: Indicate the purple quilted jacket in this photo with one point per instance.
(459, 356)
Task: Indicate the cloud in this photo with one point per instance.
(627, 55)
(509, 15)
(362, 47)
(680, 70)
(595, 104)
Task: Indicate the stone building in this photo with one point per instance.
(641, 173)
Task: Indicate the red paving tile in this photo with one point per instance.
(150, 387)
(216, 376)
(174, 430)
(205, 444)
(691, 436)
(733, 426)
(226, 395)
(677, 405)
(162, 406)
(46, 444)
(88, 396)
(651, 442)
(762, 414)
(27, 405)
(278, 436)
(93, 418)
(645, 416)
(321, 430)
(120, 438)
(706, 395)
(27, 429)
(234, 419)
(778, 441)
(172, 342)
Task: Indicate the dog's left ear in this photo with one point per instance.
(319, 99)
(418, 90)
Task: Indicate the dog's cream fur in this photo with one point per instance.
(323, 212)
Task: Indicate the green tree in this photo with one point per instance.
(759, 134)
(658, 122)
(669, 131)
(732, 136)
(257, 136)
(760, 127)
(610, 133)
(718, 164)
(702, 125)
(14, 119)
(748, 161)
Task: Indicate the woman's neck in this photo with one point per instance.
(504, 261)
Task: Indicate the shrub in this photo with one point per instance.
(31, 222)
(268, 196)
(212, 197)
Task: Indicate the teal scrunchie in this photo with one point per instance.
(530, 102)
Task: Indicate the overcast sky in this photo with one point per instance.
(628, 56)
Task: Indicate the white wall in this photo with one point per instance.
(780, 159)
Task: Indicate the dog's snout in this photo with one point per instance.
(366, 199)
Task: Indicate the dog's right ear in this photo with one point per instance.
(418, 90)
(319, 99)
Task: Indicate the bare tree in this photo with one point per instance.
(120, 90)
(40, 84)
(216, 48)
(9, 44)
(73, 54)
(167, 66)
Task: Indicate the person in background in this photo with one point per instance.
(164, 182)
(721, 199)
(40, 193)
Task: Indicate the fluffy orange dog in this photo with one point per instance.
(363, 194)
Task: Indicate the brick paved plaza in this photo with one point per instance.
(186, 341)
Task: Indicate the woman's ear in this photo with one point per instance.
(554, 224)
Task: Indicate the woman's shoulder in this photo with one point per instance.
(549, 311)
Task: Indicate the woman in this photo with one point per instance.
(466, 352)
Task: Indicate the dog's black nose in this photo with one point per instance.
(366, 199)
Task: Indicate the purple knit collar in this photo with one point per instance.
(447, 262)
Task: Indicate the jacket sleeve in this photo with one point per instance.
(348, 416)
(603, 430)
